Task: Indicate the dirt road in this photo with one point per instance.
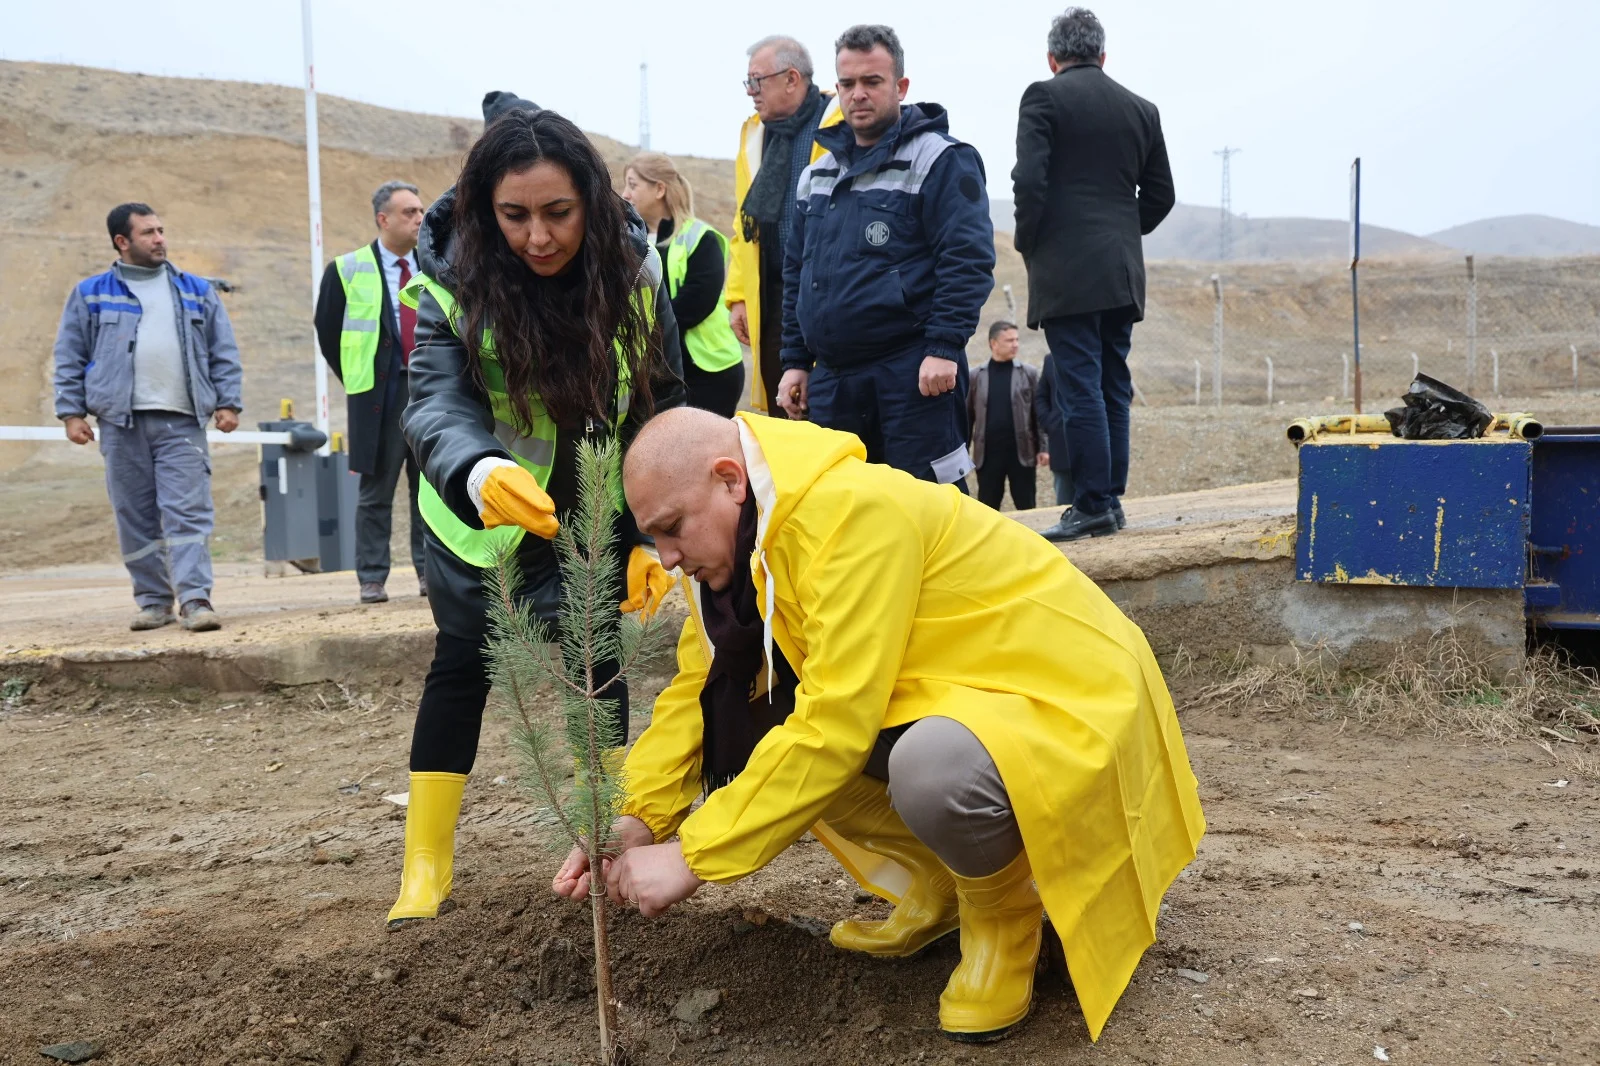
(198, 880)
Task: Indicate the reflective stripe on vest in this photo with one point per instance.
(711, 342)
(534, 451)
(363, 303)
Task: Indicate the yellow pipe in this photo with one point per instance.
(1304, 429)
(1521, 425)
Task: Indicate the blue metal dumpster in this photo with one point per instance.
(1495, 512)
(1563, 590)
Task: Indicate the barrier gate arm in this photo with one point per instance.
(213, 436)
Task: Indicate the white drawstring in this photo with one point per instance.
(766, 629)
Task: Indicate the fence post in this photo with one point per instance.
(1269, 380)
(1197, 383)
(1472, 326)
(1344, 381)
(1494, 355)
(1216, 342)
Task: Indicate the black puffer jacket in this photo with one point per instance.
(449, 427)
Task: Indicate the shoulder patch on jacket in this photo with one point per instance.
(818, 179)
(107, 292)
(910, 166)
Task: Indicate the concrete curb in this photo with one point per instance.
(237, 667)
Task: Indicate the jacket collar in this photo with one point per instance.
(915, 119)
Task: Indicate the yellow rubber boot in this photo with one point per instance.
(431, 815)
(927, 909)
(1001, 923)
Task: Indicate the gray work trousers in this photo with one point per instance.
(375, 503)
(947, 789)
(158, 475)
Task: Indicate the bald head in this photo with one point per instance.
(676, 442)
(685, 480)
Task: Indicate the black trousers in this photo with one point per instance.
(450, 717)
(375, 502)
(714, 390)
(998, 467)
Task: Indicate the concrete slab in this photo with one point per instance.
(291, 630)
(1210, 572)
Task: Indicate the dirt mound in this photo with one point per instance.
(200, 879)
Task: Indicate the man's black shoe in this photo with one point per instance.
(1075, 525)
(1116, 509)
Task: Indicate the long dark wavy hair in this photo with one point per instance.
(552, 337)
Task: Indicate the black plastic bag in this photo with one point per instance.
(1435, 411)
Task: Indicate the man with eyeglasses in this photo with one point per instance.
(775, 145)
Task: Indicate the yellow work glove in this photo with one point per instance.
(648, 583)
(511, 497)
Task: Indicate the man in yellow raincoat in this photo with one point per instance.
(963, 718)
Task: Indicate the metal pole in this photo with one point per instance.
(1344, 380)
(1197, 383)
(1496, 357)
(1355, 258)
(1011, 302)
(1269, 380)
(1416, 366)
(314, 188)
(1472, 326)
(644, 106)
(1216, 342)
(1574, 348)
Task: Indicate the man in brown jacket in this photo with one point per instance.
(1004, 429)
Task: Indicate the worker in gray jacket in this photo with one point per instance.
(148, 351)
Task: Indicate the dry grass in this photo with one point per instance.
(1445, 689)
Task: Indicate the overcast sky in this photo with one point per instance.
(1460, 109)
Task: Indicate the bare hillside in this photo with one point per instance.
(224, 163)
(1522, 235)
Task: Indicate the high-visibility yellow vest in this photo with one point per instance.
(362, 279)
(534, 450)
(711, 343)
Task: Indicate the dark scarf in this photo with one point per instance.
(734, 709)
(787, 150)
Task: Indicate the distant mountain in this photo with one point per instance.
(1538, 235)
(1192, 232)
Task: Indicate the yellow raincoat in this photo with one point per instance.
(744, 257)
(895, 599)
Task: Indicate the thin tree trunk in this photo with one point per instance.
(602, 960)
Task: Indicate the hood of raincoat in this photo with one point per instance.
(787, 454)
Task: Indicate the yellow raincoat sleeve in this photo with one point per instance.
(663, 769)
(855, 567)
(740, 260)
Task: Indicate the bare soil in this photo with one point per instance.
(193, 878)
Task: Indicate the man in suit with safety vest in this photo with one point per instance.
(366, 336)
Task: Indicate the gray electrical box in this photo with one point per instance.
(308, 501)
(337, 492)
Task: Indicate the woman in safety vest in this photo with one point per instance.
(696, 256)
(541, 322)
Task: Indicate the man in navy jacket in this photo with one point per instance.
(888, 265)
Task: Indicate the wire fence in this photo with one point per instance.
(1255, 333)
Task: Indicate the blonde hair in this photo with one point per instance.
(654, 166)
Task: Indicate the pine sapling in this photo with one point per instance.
(575, 663)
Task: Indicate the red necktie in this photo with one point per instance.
(408, 319)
